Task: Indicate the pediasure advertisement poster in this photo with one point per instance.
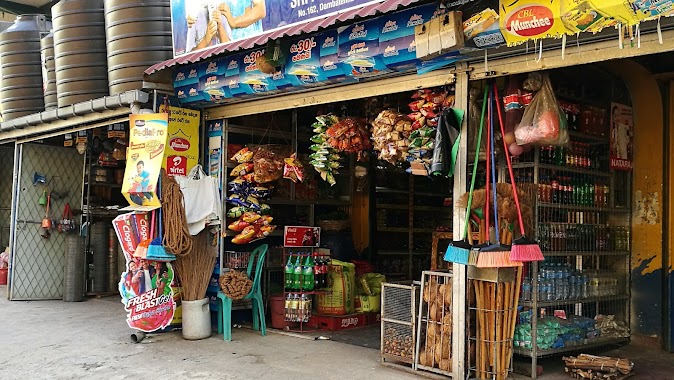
(148, 288)
(182, 148)
(145, 155)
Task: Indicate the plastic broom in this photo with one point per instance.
(523, 249)
(459, 251)
(494, 255)
(156, 250)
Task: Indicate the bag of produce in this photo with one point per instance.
(543, 122)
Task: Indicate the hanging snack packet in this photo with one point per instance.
(543, 122)
(293, 169)
(242, 156)
(242, 169)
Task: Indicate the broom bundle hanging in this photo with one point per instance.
(177, 238)
(194, 269)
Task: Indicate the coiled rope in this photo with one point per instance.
(177, 238)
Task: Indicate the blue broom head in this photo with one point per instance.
(458, 252)
(157, 252)
(526, 250)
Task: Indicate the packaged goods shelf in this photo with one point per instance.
(568, 169)
(583, 208)
(585, 253)
(587, 344)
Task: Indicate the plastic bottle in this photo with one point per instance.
(526, 289)
(317, 271)
(325, 272)
(308, 274)
(307, 309)
(294, 303)
(300, 308)
(297, 273)
(287, 309)
(289, 272)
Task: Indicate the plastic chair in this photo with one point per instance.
(255, 294)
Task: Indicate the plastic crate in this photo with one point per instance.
(336, 323)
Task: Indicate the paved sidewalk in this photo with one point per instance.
(90, 340)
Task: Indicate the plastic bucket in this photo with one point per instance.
(196, 319)
(3, 276)
(278, 312)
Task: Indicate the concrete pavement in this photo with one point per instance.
(90, 340)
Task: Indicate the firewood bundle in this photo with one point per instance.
(593, 367)
(235, 284)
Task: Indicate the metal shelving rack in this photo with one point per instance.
(592, 268)
(406, 200)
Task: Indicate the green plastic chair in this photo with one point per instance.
(255, 294)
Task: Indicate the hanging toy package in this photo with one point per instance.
(543, 122)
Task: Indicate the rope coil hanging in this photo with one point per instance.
(177, 238)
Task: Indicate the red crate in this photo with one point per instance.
(342, 322)
(373, 318)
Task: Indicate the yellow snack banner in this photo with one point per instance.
(182, 148)
(524, 20)
(147, 142)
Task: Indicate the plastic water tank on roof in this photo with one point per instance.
(48, 71)
(21, 90)
(138, 36)
(79, 51)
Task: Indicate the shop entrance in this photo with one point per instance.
(38, 262)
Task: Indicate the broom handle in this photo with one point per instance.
(510, 165)
(493, 166)
(486, 196)
(476, 161)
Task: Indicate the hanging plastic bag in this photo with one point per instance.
(543, 122)
(201, 199)
(67, 222)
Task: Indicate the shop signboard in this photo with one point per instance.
(198, 24)
(396, 36)
(145, 155)
(330, 65)
(182, 149)
(622, 126)
(233, 77)
(146, 287)
(251, 75)
(301, 236)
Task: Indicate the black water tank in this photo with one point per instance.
(138, 36)
(48, 71)
(21, 92)
(79, 51)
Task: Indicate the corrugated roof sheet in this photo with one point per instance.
(293, 30)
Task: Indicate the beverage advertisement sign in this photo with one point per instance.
(198, 24)
(145, 155)
(301, 236)
(182, 148)
(622, 126)
(146, 287)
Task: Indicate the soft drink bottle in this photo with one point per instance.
(317, 271)
(287, 309)
(300, 308)
(325, 268)
(289, 273)
(307, 309)
(297, 273)
(308, 274)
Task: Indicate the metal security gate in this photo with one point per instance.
(38, 263)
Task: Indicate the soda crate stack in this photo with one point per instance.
(305, 275)
(434, 328)
(398, 322)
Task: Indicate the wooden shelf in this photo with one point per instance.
(587, 344)
(575, 301)
(568, 169)
(585, 253)
(583, 208)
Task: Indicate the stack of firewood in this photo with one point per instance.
(593, 367)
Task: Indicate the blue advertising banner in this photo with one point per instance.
(198, 24)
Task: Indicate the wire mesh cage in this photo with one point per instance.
(398, 316)
(435, 327)
(236, 260)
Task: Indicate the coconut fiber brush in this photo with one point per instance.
(459, 251)
(523, 249)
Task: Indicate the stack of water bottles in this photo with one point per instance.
(559, 282)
